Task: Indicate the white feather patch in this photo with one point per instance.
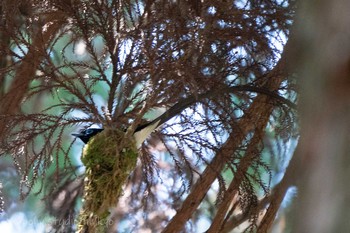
(143, 134)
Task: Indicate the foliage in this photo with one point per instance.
(217, 66)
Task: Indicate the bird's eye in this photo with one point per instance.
(89, 131)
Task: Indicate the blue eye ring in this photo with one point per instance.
(89, 131)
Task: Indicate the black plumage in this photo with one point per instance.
(86, 134)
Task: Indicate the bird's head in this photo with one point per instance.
(86, 134)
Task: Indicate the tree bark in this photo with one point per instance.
(323, 64)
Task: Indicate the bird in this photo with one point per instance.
(143, 131)
(140, 135)
(86, 134)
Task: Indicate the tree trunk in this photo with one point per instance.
(323, 64)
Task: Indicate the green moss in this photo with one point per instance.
(109, 158)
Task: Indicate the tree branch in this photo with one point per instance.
(245, 163)
(251, 120)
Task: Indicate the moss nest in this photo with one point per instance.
(109, 158)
